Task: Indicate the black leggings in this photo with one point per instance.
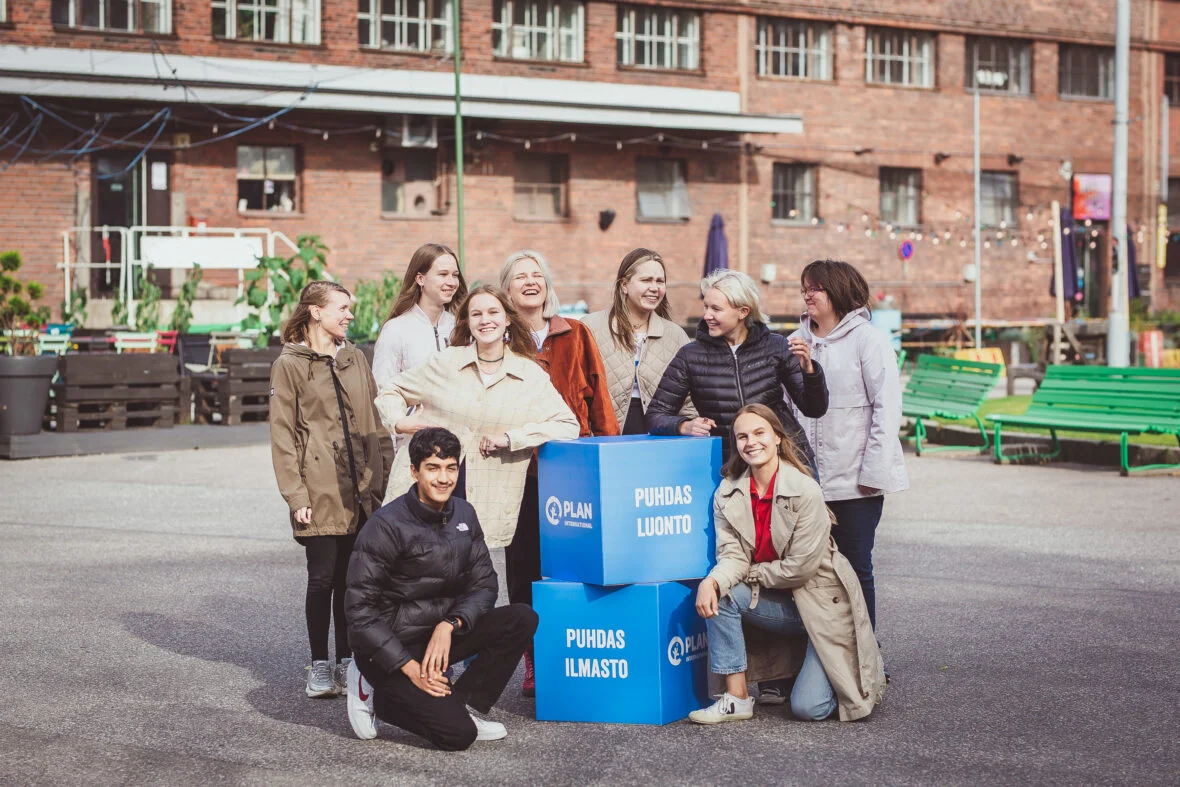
(636, 422)
(327, 567)
(522, 558)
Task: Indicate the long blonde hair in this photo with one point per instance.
(421, 262)
(314, 294)
(618, 320)
(519, 340)
(736, 467)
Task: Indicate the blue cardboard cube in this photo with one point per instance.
(621, 510)
(627, 655)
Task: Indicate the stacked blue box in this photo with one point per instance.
(626, 533)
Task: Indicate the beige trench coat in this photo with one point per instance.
(520, 401)
(821, 581)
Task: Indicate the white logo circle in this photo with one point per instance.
(676, 651)
(553, 510)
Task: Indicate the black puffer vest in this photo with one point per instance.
(721, 382)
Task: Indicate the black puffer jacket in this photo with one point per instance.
(721, 384)
(411, 568)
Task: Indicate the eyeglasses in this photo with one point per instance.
(805, 291)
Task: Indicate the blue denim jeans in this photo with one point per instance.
(855, 532)
(812, 698)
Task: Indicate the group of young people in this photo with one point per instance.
(400, 479)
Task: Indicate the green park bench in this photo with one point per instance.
(1100, 399)
(947, 388)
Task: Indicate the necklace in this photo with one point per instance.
(490, 360)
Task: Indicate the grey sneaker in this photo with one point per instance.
(319, 680)
(340, 675)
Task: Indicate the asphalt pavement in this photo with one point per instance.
(152, 633)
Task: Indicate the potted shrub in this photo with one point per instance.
(25, 377)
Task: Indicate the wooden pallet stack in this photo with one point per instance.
(239, 394)
(115, 392)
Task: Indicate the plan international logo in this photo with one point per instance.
(690, 648)
(575, 514)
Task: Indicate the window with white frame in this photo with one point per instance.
(278, 21)
(999, 199)
(793, 192)
(1085, 71)
(416, 25)
(267, 179)
(539, 30)
(1172, 80)
(901, 196)
(794, 48)
(541, 185)
(899, 57)
(658, 38)
(1002, 65)
(124, 16)
(661, 187)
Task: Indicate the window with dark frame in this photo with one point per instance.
(268, 179)
(648, 37)
(276, 21)
(1002, 65)
(123, 16)
(794, 48)
(661, 189)
(1172, 251)
(409, 182)
(899, 57)
(901, 196)
(1085, 71)
(541, 186)
(539, 30)
(999, 199)
(1172, 80)
(411, 25)
(793, 192)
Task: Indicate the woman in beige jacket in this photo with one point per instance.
(636, 338)
(486, 389)
(779, 573)
(331, 458)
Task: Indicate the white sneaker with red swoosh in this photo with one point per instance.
(360, 704)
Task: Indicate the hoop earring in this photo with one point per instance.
(506, 339)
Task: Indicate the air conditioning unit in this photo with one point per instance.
(421, 198)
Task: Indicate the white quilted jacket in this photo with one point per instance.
(664, 338)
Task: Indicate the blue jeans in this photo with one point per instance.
(812, 698)
(855, 532)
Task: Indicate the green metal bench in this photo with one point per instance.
(947, 388)
(1101, 399)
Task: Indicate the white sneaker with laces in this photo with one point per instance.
(726, 708)
(360, 704)
(486, 730)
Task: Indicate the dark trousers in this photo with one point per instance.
(855, 531)
(327, 567)
(636, 422)
(522, 558)
(499, 639)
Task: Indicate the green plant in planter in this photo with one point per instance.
(73, 307)
(20, 318)
(287, 277)
(147, 312)
(373, 303)
(182, 316)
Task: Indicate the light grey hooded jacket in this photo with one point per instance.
(856, 442)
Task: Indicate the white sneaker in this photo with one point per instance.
(360, 704)
(726, 708)
(486, 730)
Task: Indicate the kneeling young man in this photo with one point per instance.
(421, 596)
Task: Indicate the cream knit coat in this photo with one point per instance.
(519, 401)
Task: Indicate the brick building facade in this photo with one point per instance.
(815, 130)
